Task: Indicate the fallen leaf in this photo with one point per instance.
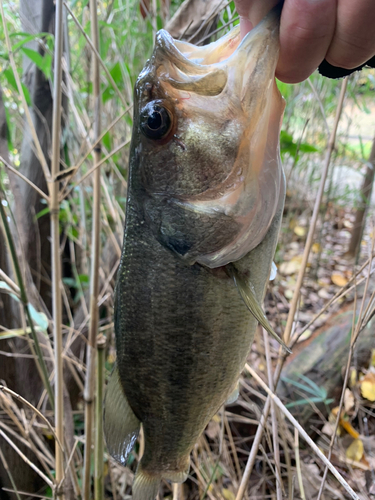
(300, 231)
(316, 248)
(324, 294)
(348, 400)
(291, 267)
(227, 494)
(306, 334)
(355, 450)
(368, 386)
(339, 279)
(289, 294)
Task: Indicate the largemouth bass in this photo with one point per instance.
(205, 200)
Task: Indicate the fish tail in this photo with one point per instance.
(145, 486)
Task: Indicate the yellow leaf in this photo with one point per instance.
(227, 494)
(291, 267)
(355, 450)
(372, 358)
(348, 400)
(368, 386)
(300, 231)
(316, 248)
(338, 279)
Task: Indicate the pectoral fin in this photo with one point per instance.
(248, 296)
(121, 426)
(233, 395)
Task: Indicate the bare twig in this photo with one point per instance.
(298, 464)
(303, 433)
(29, 405)
(25, 459)
(21, 176)
(95, 48)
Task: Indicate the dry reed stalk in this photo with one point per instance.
(294, 303)
(89, 394)
(55, 237)
(35, 410)
(298, 464)
(25, 459)
(178, 492)
(99, 442)
(275, 433)
(21, 176)
(8, 471)
(303, 433)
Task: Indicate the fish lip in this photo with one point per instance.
(190, 54)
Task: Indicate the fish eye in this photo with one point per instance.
(155, 121)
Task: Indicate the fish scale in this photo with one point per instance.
(198, 244)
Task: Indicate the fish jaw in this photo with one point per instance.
(219, 161)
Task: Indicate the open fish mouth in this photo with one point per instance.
(217, 111)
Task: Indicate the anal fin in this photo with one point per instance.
(121, 426)
(145, 486)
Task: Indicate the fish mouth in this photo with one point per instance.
(207, 70)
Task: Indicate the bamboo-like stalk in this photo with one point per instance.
(99, 443)
(95, 254)
(294, 303)
(55, 237)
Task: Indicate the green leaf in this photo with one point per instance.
(39, 318)
(8, 74)
(40, 214)
(44, 63)
(116, 74)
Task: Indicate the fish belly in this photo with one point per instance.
(183, 335)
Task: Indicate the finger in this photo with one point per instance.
(354, 38)
(251, 12)
(306, 32)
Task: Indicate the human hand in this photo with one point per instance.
(340, 31)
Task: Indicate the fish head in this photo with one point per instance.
(206, 134)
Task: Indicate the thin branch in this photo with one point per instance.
(29, 405)
(8, 471)
(25, 459)
(28, 181)
(94, 48)
(303, 433)
(96, 166)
